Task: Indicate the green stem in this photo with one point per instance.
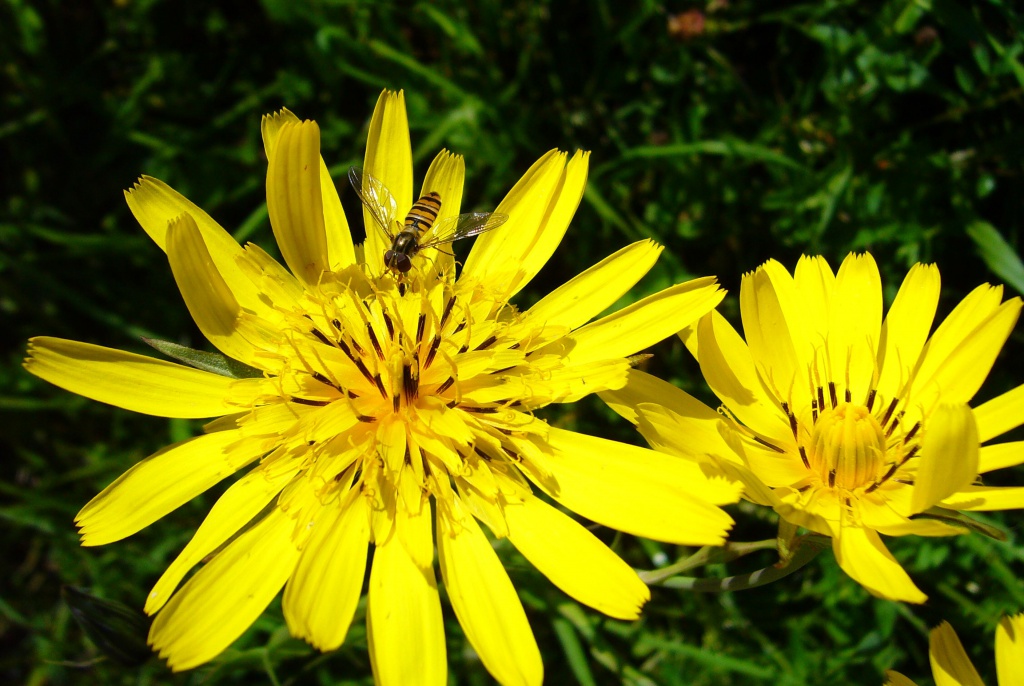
(705, 556)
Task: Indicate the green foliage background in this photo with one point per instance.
(777, 129)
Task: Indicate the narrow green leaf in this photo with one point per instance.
(999, 255)
(208, 362)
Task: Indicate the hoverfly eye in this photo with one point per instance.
(403, 263)
(389, 258)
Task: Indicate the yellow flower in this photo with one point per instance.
(847, 425)
(375, 395)
(952, 667)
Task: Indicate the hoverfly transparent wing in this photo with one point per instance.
(376, 198)
(463, 226)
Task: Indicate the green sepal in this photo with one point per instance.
(208, 362)
(955, 518)
(118, 631)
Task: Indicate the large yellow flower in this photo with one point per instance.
(392, 410)
(846, 424)
(952, 667)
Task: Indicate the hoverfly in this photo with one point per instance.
(410, 238)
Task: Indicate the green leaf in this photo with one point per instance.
(117, 630)
(208, 362)
(999, 255)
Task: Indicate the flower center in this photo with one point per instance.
(848, 446)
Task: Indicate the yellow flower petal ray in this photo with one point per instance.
(321, 597)
(389, 159)
(239, 505)
(139, 383)
(630, 489)
(294, 202)
(999, 455)
(1000, 414)
(1010, 650)
(497, 256)
(591, 292)
(906, 327)
(855, 322)
(484, 600)
(154, 204)
(958, 376)
(160, 484)
(862, 555)
(209, 300)
(446, 176)
(949, 456)
(728, 367)
(403, 618)
(986, 499)
(645, 322)
(893, 678)
(220, 602)
(814, 281)
(950, 664)
(340, 250)
(575, 560)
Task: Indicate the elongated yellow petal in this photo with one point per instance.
(403, 620)
(485, 601)
(242, 502)
(638, 491)
(220, 602)
(340, 250)
(1000, 455)
(1000, 414)
(446, 176)
(906, 327)
(949, 456)
(1010, 650)
(321, 597)
(862, 555)
(388, 159)
(161, 483)
(154, 204)
(815, 282)
(575, 560)
(138, 383)
(896, 679)
(212, 304)
(855, 323)
(950, 664)
(645, 322)
(958, 376)
(986, 498)
(728, 367)
(588, 294)
(294, 201)
(497, 256)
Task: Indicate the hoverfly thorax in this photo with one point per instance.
(420, 230)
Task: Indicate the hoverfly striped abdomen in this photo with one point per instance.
(423, 214)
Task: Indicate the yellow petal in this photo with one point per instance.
(484, 600)
(1000, 414)
(207, 296)
(986, 499)
(403, 618)
(220, 602)
(593, 291)
(1010, 650)
(446, 176)
(896, 679)
(862, 555)
(815, 282)
(388, 159)
(294, 201)
(906, 327)
(339, 238)
(497, 256)
(154, 204)
(949, 456)
(999, 455)
(321, 596)
(575, 560)
(950, 664)
(728, 367)
(645, 322)
(239, 505)
(138, 383)
(161, 483)
(855, 323)
(631, 489)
